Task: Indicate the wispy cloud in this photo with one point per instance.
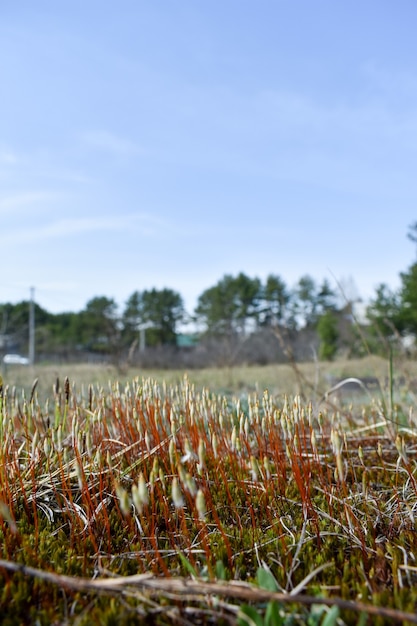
(145, 224)
(339, 143)
(110, 142)
(63, 174)
(25, 201)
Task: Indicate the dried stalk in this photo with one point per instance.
(184, 589)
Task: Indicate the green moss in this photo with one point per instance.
(293, 514)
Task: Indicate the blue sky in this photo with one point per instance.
(165, 144)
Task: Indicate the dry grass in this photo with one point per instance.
(278, 379)
(201, 495)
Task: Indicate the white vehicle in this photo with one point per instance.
(15, 359)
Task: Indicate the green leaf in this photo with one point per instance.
(363, 619)
(331, 617)
(316, 613)
(272, 614)
(187, 565)
(249, 616)
(266, 580)
(221, 573)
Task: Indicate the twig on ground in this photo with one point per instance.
(192, 589)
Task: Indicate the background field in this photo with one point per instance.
(312, 380)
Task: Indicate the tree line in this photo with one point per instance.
(227, 314)
(233, 308)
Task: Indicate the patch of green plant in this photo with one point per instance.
(175, 483)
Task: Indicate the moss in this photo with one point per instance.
(292, 513)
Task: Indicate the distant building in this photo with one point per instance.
(186, 340)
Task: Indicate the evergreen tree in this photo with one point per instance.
(305, 301)
(162, 309)
(276, 298)
(98, 325)
(132, 318)
(406, 318)
(325, 298)
(329, 335)
(227, 307)
(384, 311)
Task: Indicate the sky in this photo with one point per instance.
(167, 143)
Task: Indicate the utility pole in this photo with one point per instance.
(142, 335)
(32, 326)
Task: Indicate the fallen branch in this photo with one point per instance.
(186, 589)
